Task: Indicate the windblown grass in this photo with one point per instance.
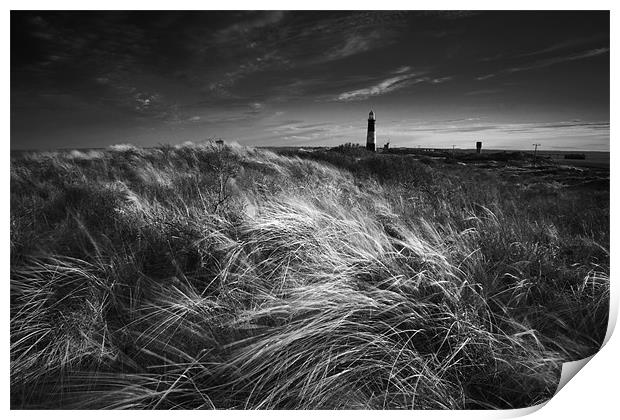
(200, 277)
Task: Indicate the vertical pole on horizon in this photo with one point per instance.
(535, 150)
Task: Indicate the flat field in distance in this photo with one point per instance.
(205, 276)
(585, 159)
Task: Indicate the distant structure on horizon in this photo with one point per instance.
(371, 137)
(478, 146)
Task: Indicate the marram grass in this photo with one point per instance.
(197, 277)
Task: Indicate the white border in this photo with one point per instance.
(591, 395)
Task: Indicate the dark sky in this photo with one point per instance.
(435, 79)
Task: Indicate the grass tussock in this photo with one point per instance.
(199, 276)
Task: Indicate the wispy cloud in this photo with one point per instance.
(257, 21)
(486, 76)
(385, 86)
(221, 86)
(561, 46)
(573, 125)
(562, 59)
(297, 130)
(256, 107)
(355, 44)
(564, 45)
(264, 42)
(390, 84)
(401, 70)
(548, 62)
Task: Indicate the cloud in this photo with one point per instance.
(548, 61)
(387, 85)
(291, 44)
(493, 57)
(475, 124)
(257, 21)
(213, 113)
(339, 35)
(221, 86)
(400, 81)
(123, 94)
(551, 48)
(486, 76)
(297, 130)
(401, 70)
(273, 43)
(439, 80)
(561, 46)
(562, 59)
(355, 44)
(538, 129)
(256, 107)
(595, 125)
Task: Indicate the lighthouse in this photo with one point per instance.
(371, 137)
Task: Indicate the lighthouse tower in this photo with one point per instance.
(371, 137)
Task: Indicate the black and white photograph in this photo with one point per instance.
(306, 209)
